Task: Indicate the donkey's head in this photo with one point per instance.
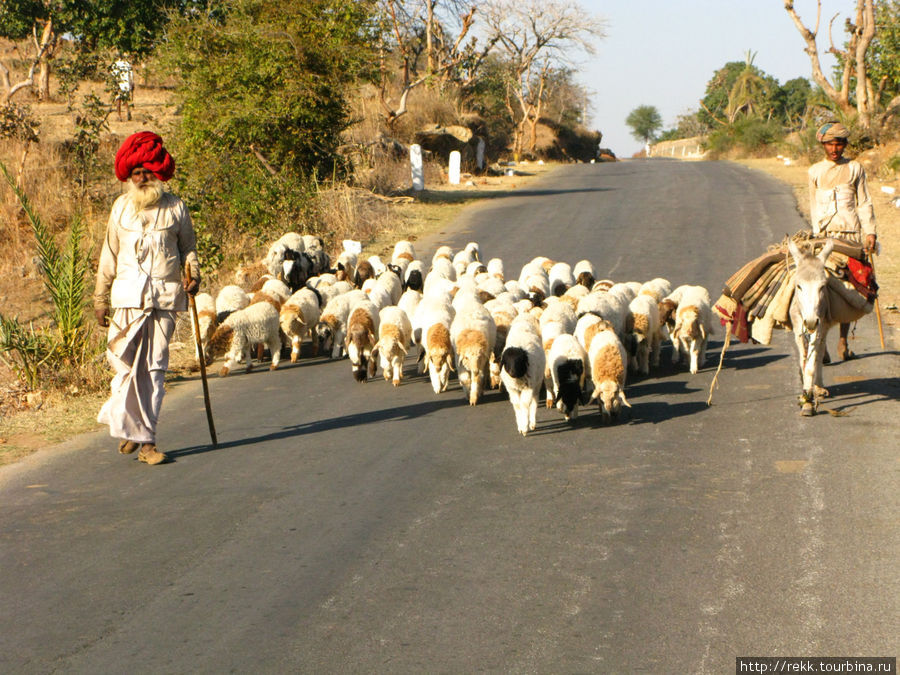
(810, 283)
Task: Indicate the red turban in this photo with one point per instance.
(144, 149)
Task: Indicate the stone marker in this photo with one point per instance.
(455, 159)
(479, 155)
(415, 162)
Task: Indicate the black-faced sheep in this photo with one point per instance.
(522, 371)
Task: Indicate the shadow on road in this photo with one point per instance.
(457, 196)
(320, 426)
(862, 392)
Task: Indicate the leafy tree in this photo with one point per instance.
(687, 125)
(737, 86)
(644, 121)
(884, 53)
(792, 100)
(262, 89)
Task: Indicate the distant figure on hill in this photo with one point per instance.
(123, 74)
(149, 240)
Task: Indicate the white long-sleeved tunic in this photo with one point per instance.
(839, 201)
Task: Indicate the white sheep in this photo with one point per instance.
(569, 371)
(345, 265)
(584, 273)
(643, 324)
(298, 317)
(693, 326)
(608, 362)
(332, 326)
(657, 288)
(394, 337)
(403, 249)
(522, 371)
(256, 324)
(588, 326)
(473, 334)
(495, 268)
(275, 256)
(560, 278)
(409, 302)
(442, 252)
(391, 282)
(230, 299)
(362, 331)
(606, 306)
(378, 294)
(431, 330)
(414, 277)
(502, 312)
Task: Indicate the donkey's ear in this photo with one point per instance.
(795, 251)
(826, 250)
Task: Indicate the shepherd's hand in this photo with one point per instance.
(102, 318)
(191, 286)
(870, 243)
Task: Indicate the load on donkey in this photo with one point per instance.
(806, 284)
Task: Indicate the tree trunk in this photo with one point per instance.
(45, 50)
(429, 39)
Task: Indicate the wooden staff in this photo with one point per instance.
(871, 257)
(202, 359)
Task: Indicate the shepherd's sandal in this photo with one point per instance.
(150, 455)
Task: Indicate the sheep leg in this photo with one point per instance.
(295, 348)
(273, 342)
(529, 402)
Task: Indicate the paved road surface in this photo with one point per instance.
(361, 528)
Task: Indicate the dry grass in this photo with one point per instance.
(886, 214)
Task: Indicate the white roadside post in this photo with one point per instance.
(479, 155)
(418, 171)
(455, 159)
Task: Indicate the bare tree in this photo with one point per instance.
(414, 27)
(43, 49)
(533, 36)
(860, 34)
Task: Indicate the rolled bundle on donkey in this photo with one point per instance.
(799, 290)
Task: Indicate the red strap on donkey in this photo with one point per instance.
(862, 276)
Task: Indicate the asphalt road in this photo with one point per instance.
(360, 528)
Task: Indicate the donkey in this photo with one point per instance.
(815, 307)
(810, 320)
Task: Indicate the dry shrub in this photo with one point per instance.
(343, 212)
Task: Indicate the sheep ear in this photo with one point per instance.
(450, 363)
(594, 395)
(404, 349)
(702, 331)
(623, 399)
(425, 370)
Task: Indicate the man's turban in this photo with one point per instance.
(832, 131)
(144, 149)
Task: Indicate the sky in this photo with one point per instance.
(663, 53)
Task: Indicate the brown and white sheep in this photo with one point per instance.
(394, 336)
(298, 317)
(362, 331)
(608, 362)
(473, 334)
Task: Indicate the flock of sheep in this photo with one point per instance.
(554, 326)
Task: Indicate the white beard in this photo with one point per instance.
(145, 197)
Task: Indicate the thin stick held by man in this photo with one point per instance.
(149, 240)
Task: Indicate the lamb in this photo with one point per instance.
(332, 326)
(644, 326)
(560, 278)
(230, 299)
(584, 273)
(607, 358)
(473, 334)
(256, 324)
(568, 365)
(431, 323)
(522, 372)
(299, 316)
(362, 327)
(693, 325)
(394, 336)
